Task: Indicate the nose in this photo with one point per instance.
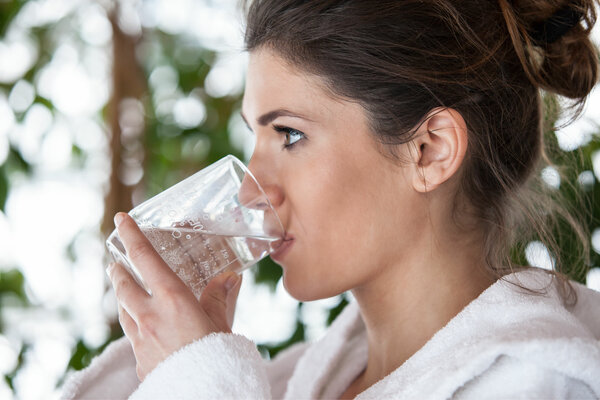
(251, 196)
(250, 193)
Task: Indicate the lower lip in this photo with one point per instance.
(282, 250)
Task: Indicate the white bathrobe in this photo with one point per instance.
(506, 344)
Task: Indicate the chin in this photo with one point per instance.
(308, 290)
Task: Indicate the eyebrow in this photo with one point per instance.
(268, 117)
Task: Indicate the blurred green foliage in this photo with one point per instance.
(8, 10)
(12, 292)
(173, 153)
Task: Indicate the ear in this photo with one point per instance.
(438, 149)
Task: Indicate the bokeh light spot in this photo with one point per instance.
(537, 255)
(593, 279)
(551, 177)
(21, 96)
(189, 112)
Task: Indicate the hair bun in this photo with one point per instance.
(553, 43)
(549, 31)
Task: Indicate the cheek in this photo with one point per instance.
(335, 217)
(326, 202)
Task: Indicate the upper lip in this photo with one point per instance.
(286, 238)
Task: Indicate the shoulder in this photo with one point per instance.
(512, 378)
(510, 342)
(507, 344)
(532, 344)
(535, 297)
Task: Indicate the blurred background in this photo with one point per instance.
(104, 103)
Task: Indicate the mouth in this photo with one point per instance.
(283, 248)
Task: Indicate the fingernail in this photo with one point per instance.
(231, 281)
(119, 218)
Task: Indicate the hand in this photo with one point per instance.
(171, 318)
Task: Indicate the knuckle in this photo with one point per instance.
(145, 318)
(171, 297)
(147, 330)
(122, 286)
(147, 324)
(138, 249)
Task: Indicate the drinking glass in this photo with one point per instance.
(217, 220)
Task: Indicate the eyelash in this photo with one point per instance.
(289, 131)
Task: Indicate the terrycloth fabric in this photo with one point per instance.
(203, 370)
(506, 344)
(111, 375)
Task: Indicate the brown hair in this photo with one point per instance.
(402, 59)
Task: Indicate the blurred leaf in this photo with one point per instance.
(12, 291)
(8, 10)
(13, 282)
(16, 162)
(70, 250)
(45, 102)
(337, 310)
(9, 378)
(267, 272)
(3, 188)
(299, 335)
(80, 357)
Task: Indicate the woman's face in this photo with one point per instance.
(350, 211)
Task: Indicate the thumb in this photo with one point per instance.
(219, 297)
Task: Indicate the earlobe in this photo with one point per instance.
(439, 146)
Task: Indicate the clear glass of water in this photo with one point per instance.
(217, 220)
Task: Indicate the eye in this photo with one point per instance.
(292, 136)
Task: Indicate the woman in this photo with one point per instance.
(398, 141)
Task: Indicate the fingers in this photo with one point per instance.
(155, 273)
(129, 294)
(129, 326)
(232, 297)
(218, 299)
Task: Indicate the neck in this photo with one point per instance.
(410, 301)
